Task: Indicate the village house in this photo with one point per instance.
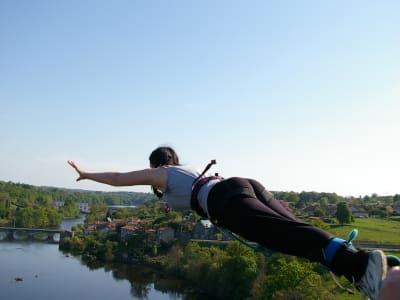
(204, 230)
(101, 226)
(396, 209)
(165, 234)
(285, 204)
(58, 204)
(127, 231)
(358, 212)
(152, 233)
(308, 210)
(330, 209)
(83, 207)
(135, 221)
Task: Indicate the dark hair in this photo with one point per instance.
(162, 156)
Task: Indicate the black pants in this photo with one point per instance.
(246, 208)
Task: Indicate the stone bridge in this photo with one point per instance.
(33, 234)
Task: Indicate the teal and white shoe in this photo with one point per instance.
(393, 261)
(375, 273)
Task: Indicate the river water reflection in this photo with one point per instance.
(38, 270)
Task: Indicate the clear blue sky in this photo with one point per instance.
(301, 95)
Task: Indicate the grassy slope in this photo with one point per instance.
(376, 230)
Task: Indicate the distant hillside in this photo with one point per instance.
(24, 194)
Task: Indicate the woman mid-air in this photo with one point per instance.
(246, 208)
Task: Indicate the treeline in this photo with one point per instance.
(24, 205)
(303, 199)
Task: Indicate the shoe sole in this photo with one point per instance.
(378, 258)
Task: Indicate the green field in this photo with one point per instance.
(375, 230)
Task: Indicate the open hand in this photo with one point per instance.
(77, 169)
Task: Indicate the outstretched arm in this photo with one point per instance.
(156, 177)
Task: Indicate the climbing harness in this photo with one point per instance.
(212, 162)
(197, 184)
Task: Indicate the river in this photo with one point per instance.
(38, 270)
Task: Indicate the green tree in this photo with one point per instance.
(238, 271)
(323, 201)
(174, 260)
(53, 217)
(25, 218)
(396, 198)
(4, 204)
(70, 209)
(140, 244)
(343, 213)
(319, 212)
(40, 217)
(97, 212)
(389, 210)
(291, 278)
(226, 274)
(293, 198)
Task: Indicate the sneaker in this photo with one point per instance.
(375, 273)
(393, 261)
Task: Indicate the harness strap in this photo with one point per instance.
(197, 184)
(212, 162)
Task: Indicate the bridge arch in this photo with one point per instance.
(3, 235)
(33, 234)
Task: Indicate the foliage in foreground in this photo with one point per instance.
(92, 247)
(232, 271)
(237, 272)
